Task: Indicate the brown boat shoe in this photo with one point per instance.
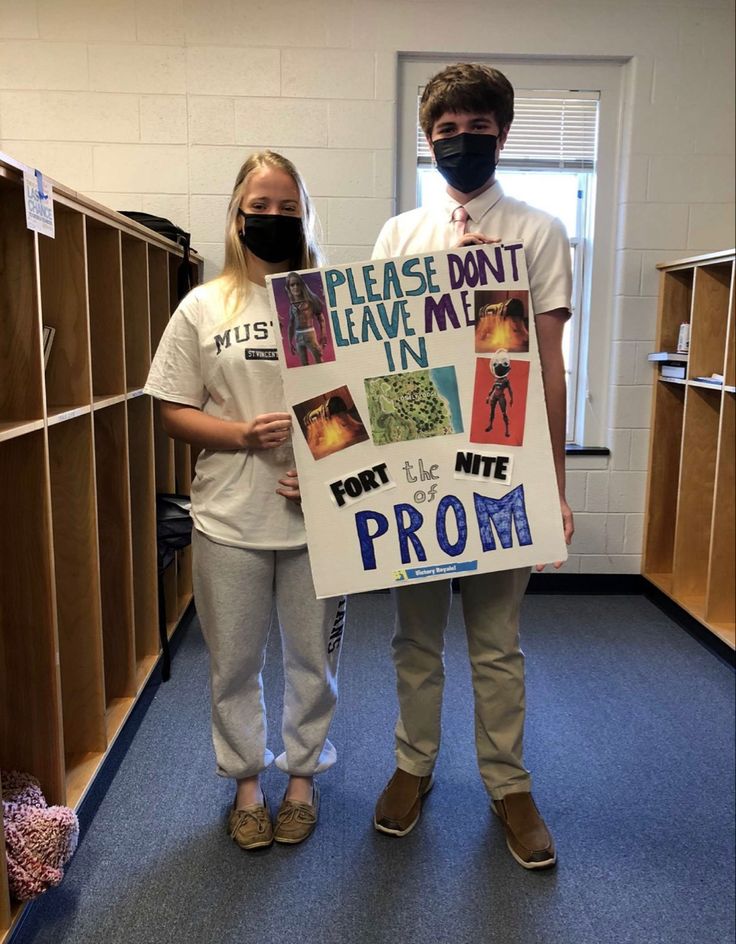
(400, 805)
(251, 826)
(295, 820)
(527, 837)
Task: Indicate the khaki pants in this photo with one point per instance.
(491, 605)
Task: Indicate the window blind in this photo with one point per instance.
(550, 131)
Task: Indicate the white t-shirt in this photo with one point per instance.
(228, 367)
(492, 213)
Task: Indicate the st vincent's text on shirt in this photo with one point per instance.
(261, 354)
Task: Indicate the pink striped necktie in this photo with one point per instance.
(459, 221)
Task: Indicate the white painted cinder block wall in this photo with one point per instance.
(153, 104)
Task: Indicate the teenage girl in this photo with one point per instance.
(217, 377)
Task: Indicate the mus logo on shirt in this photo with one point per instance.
(241, 334)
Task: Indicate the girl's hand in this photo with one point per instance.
(290, 486)
(267, 431)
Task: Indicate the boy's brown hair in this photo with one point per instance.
(467, 87)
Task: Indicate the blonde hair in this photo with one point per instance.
(234, 276)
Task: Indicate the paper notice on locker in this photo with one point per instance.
(39, 197)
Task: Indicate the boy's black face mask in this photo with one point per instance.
(466, 161)
(272, 237)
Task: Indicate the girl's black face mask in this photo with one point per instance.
(272, 237)
(466, 161)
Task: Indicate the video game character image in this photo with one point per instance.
(305, 313)
(501, 368)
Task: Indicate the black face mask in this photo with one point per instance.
(272, 237)
(466, 161)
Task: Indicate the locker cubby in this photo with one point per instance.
(710, 320)
(135, 303)
(158, 289)
(116, 577)
(105, 310)
(697, 482)
(143, 531)
(64, 307)
(675, 305)
(73, 504)
(30, 698)
(720, 606)
(664, 477)
(21, 361)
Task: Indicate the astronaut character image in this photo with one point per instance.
(305, 309)
(501, 367)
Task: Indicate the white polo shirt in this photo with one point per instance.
(228, 367)
(492, 213)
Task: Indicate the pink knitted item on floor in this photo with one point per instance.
(39, 839)
(22, 789)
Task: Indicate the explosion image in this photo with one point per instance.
(502, 321)
(330, 422)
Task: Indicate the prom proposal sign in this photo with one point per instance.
(419, 423)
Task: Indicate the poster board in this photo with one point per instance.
(419, 422)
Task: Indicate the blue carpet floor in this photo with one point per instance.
(630, 736)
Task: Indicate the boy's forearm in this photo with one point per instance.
(555, 392)
(550, 326)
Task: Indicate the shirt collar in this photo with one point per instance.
(477, 207)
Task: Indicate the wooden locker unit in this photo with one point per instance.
(80, 462)
(690, 536)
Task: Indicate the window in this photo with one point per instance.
(563, 144)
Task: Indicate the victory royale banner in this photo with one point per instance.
(419, 423)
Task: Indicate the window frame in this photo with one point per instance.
(589, 403)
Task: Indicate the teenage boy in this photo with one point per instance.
(466, 112)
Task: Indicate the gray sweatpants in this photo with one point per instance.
(491, 605)
(234, 591)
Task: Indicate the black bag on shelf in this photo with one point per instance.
(173, 532)
(173, 232)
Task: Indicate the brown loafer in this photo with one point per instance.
(250, 826)
(295, 821)
(527, 837)
(400, 805)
